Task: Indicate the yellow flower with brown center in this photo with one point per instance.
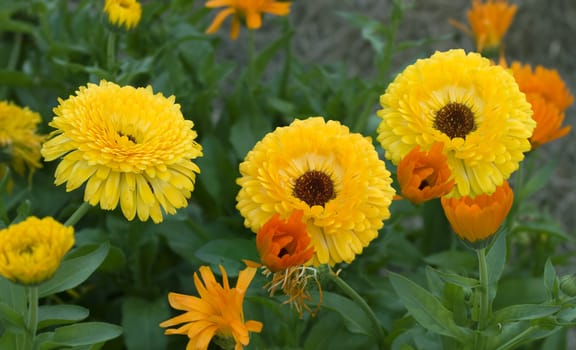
(18, 139)
(549, 97)
(476, 219)
(245, 11)
(125, 13)
(284, 243)
(131, 147)
(31, 251)
(490, 21)
(218, 311)
(335, 177)
(472, 107)
(424, 175)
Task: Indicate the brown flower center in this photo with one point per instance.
(455, 120)
(131, 138)
(314, 188)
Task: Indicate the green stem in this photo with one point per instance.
(12, 61)
(251, 60)
(111, 53)
(350, 292)
(78, 214)
(484, 309)
(32, 319)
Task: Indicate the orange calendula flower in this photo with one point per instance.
(548, 121)
(425, 175)
(490, 21)
(475, 219)
(217, 312)
(247, 11)
(543, 81)
(282, 244)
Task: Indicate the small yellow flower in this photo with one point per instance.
(334, 176)
(473, 107)
(247, 11)
(18, 138)
(131, 147)
(217, 312)
(31, 251)
(125, 13)
(476, 219)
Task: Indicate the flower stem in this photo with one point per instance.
(484, 307)
(251, 60)
(350, 292)
(78, 214)
(32, 319)
(111, 53)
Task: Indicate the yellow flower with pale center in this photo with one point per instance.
(125, 13)
(130, 146)
(333, 176)
(466, 103)
(31, 251)
(217, 312)
(18, 138)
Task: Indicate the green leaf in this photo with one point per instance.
(455, 278)
(426, 309)
(51, 315)
(354, 318)
(81, 334)
(10, 317)
(538, 180)
(550, 281)
(495, 260)
(263, 58)
(229, 253)
(75, 270)
(524, 312)
(140, 319)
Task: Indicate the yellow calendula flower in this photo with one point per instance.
(335, 177)
(217, 312)
(31, 251)
(248, 12)
(18, 139)
(125, 13)
(130, 146)
(471, 106)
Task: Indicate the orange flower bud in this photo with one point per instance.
(490, 21)
(282, 244)
(424, 176)
(475, 219)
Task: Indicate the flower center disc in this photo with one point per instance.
(455, 120)
(314, 188)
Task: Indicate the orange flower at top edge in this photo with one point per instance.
(424, 176)
(476, 219)
(489, 21)
(282, 244)
(249, 11)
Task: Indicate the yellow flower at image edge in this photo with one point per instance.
(217, 312)
(249, 11)
(333, 176)
(123, 12)
(475, 219)
(474, 108)
(18, 138)
(31, 251)
(131, 147)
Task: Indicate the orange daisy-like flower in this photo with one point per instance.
(282, 244)
(217, 312)
(475, 219)
(490, 22)
(548, 121)
(249, 11)
(425, 175)
(543, 81)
